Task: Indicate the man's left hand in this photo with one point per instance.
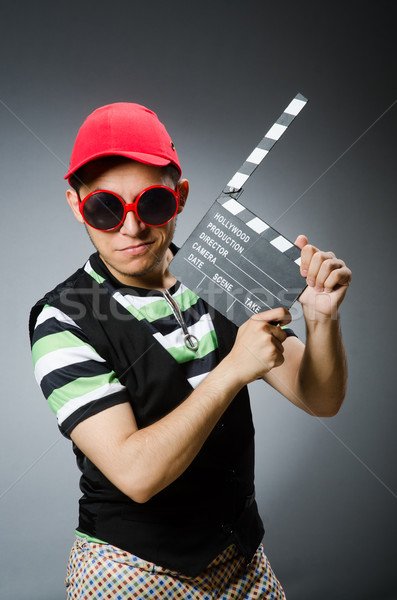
(327, 280)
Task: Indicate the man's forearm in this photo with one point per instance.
(166, 448)
(322, 375)
(142, 462)
(161, 452)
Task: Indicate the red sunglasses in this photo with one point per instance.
(155, 206)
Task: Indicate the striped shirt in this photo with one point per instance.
(73, 376)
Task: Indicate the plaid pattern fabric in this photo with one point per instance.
(104, 572)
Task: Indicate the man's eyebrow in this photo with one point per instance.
(102, 189)
(97, 189)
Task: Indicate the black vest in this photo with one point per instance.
(212, 504)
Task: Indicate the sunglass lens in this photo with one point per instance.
(103, 211)
(157, 206)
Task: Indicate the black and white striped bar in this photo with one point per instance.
(266, 144)
(233, 259)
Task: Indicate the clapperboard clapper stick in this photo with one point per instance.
(233, 259)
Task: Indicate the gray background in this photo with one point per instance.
(218, 74)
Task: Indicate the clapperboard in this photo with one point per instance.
(233, 259)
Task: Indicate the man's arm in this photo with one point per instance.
(142, 462)
(314, 376)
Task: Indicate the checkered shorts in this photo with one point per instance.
(104, 572)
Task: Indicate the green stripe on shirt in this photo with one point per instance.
(152, 311)
(207, 344)
(187, 299)
(96, 276)
(160, 308)
(55, 341)
(77, 388)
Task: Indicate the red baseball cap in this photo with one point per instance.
(123, 129)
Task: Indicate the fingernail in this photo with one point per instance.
(319, 289)
(310, 282)
(304, 272)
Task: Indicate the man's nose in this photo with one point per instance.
(132, 225)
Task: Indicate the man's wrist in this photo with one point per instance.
(312, 315)
(229, 374)
(315, 319)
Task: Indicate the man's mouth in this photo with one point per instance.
(135, 248)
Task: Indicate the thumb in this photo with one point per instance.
(301, 241)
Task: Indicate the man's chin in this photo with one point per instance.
(132, 268)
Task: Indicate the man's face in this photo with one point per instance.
(135, 253)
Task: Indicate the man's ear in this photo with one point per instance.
(183, 189)
(73, 201)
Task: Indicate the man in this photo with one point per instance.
(150, 383)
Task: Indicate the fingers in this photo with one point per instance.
(278, 338)
(311, 258)
(278, 356)
(301, 241)
(321, 265)
(270, 320)
(322, 269)
(338, 277)
(326, 272)
(275, 315)
(259, 344)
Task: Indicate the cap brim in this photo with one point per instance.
(147, 159)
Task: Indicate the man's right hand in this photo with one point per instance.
(259, 345)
